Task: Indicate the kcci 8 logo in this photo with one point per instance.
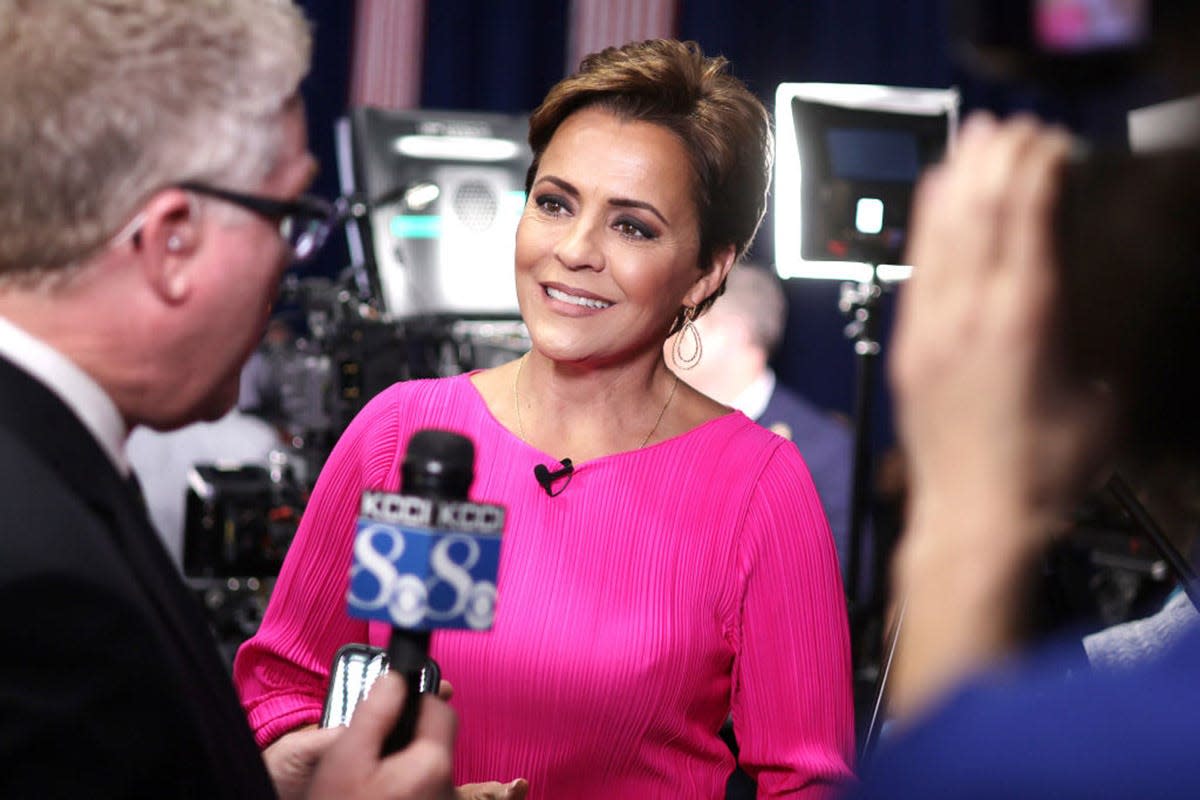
(423, 579)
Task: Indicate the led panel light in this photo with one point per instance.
(873, 141)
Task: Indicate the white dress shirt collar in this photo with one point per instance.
(752, 401)
(73, 386)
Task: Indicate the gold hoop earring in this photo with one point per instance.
(689, 329)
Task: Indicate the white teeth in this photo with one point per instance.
(586, 302)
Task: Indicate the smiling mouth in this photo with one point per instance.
(575, 300)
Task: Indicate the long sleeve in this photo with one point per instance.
(827, 446)
(792, 704)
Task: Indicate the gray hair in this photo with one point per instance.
(755, 296)
(107, 101)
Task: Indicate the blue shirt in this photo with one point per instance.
(1043, 731)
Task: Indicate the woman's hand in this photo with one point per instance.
(999, 441)
(492, 790)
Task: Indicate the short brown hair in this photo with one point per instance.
(725, 129)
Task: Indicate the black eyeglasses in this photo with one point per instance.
(304, 223)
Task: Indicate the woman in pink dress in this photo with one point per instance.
(684, 571)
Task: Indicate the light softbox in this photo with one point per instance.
(848, 158)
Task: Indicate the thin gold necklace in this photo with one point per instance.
(521, 426)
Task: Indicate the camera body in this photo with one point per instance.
(1052, 41)
(1127, 235)
(1068, 44)
(1126, 232)
(240, 519)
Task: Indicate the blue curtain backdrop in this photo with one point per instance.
(503, 56)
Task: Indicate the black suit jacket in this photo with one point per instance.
(110, 682)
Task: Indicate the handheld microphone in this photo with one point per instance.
(546, 477)
(425, 559)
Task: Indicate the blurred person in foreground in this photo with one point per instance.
(152, 159)
(684, 568)
(739, 335)
(1004, 435)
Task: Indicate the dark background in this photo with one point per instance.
(502, 56)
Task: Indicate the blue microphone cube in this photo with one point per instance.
(425, 564)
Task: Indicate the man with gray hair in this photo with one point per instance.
(152, 159)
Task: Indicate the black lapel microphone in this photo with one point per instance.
(547, 477)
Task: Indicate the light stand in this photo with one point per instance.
(860, 301)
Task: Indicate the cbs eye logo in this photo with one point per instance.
(415, 578)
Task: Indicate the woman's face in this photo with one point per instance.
(607, 246)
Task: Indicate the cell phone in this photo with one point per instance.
(356, 667)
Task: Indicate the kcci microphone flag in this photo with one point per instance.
(425, 563)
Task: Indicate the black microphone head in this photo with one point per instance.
(438, 464)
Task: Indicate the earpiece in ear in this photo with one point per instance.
(174, 243)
